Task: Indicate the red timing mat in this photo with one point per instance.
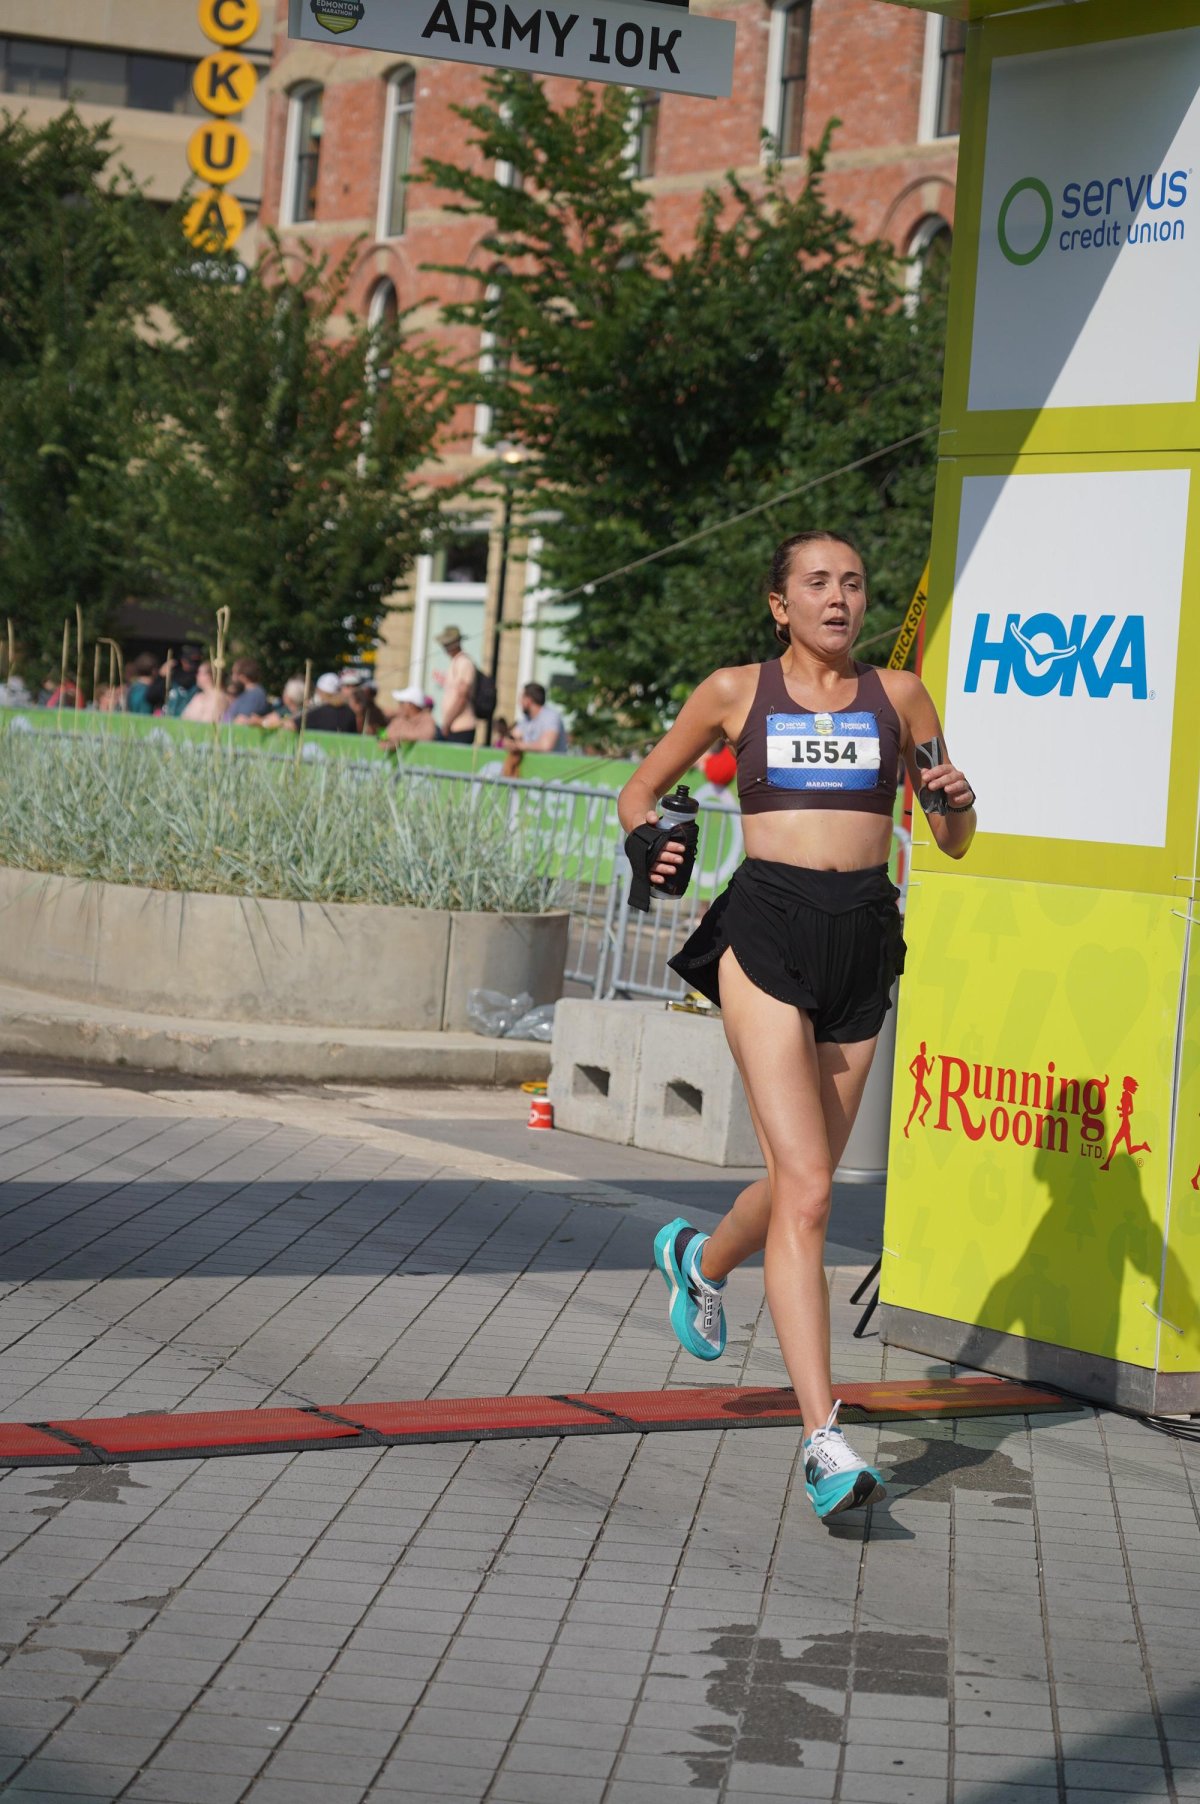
(104, 1440)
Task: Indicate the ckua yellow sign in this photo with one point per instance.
(219, 150)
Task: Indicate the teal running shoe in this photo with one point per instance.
(834, 1476)
(697, 1310)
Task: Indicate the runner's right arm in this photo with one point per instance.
(701, 719)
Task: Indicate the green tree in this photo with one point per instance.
(82, 257)
(173, 427)
(286, 483)
(662, 394)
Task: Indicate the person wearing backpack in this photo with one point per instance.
(460, 686)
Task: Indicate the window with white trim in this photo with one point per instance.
(787, 61)
(950, 77)
(643, 135)
(306, 128)
(451, 591)
(397, 152)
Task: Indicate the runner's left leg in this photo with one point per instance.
(743, 1231)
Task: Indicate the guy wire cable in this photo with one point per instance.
(748, 513)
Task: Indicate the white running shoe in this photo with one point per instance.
(834, 1476)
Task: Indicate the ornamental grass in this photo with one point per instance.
(182, 816)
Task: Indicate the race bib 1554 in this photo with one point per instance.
(822, 751)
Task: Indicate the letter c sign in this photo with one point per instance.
(229, 22)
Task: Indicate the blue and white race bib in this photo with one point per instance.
(822, 751)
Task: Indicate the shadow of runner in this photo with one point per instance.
(1069, 1286)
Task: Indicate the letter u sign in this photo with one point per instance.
(218, 152)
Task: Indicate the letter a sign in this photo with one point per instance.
(639, 43)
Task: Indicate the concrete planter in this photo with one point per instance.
(232, 958)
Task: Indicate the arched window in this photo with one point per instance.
(930, 246)
(928, 257)
(306, 128)
(787, 75)
(397, 151)
(383, 308)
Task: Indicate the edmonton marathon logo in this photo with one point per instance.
(338, 15)
(1039, 1109)
(1113, 211)
(1043, 655)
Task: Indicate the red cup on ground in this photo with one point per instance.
(541, 1113)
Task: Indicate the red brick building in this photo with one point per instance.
(345, 126)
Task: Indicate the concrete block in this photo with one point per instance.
(509, 953)
(224, 958)
(594, 1066)
(689, 1093)
(253, 960)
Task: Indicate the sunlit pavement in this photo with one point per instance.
(589, 1621)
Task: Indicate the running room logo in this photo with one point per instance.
(1096, 213)
(338, 15)
(1038, 1109)
(1042, 655)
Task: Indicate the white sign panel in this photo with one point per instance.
(638, 43)
(1089, 244)
(1061, 681)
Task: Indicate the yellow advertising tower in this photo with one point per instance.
(1043, 1211)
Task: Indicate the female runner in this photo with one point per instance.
(800, 951)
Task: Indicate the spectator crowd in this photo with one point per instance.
(188, 686)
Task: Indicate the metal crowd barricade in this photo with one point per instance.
(573, 829)
(642, 943)
(615, 951)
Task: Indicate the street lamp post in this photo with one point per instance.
(511, 457)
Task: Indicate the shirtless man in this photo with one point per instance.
(458, 716)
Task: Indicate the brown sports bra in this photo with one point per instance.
(792, 757)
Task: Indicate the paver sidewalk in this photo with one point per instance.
(603, 1620)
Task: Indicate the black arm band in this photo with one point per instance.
(643, 847)
(965, 808)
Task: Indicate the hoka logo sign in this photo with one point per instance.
(1045, 656)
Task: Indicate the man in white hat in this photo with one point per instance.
(459, 720)
(413, 719)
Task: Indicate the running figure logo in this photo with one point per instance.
(920, 1069)
(1124, 1135)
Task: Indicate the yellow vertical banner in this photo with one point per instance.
(1041, 1213)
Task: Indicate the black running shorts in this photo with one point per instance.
(829, 942)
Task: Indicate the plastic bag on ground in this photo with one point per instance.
(534, 1024)
(493, 1014)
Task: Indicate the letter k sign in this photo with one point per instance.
(225, 82)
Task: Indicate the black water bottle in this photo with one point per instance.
(678, 811)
